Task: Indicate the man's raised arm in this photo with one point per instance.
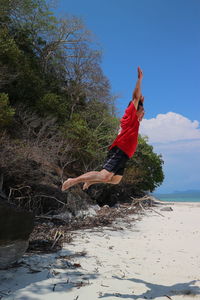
(137, 91)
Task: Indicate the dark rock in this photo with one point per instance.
(167, 208)
(15, 224)
(10, 253)
(108, 194)
(15, 228)
(52, 199)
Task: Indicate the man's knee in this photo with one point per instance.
(106, 176)
(116, 179)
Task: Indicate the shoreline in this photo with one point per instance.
(153, 256)
(165, 201)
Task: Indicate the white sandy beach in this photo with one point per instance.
(157, 257)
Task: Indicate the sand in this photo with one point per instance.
(154, 257)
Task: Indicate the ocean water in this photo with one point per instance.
(178, 197)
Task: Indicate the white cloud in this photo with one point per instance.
(178, 140)
(170, 127)
(183, 146)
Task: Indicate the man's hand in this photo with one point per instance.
(140, 74)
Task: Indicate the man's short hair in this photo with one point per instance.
(140, 103)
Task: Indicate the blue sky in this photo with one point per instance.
(163, 38)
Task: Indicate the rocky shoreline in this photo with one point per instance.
(50, 232)
(21, 231)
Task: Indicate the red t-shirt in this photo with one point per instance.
(127, 138)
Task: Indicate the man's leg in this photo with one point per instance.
(114, 180)
(94, 176)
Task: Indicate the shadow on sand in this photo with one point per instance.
(43, 274)
(157, 290)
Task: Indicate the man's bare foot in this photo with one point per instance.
(86, 185)
(67, 184)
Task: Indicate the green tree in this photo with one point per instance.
(53, 105)
(144, 171)
(24, 25)
(9, 58)
(91, 131)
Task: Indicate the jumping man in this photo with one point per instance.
(122, 148)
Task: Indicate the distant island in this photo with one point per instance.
(187, 192)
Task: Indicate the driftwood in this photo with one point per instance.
(146, 200)
(57, 236)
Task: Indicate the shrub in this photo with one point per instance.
(6, 112)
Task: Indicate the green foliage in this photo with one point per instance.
(79, 134)
(52, 104)
(101, 122)
(6, 112)
(145, 168)
(21, 76)
(21, 43)
(9, 51)
(32, 14)
(91, 131)
(9, 58)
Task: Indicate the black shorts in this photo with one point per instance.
(116, 161)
